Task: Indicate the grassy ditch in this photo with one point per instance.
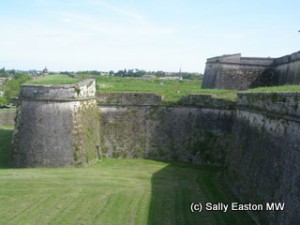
(172, 90)
(112, 192)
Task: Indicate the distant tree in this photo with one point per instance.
(111, 73)
(3, 73)
(11, 87)
(160, 73)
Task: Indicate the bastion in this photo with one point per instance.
(241, 73)
(56, 125)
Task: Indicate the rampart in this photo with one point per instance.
(235, 72)
(56, 125)
(263, 160)
(287, 69)
(182, 132)
(256, 141)
(240, 73)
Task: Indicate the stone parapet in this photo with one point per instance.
(129, 98)
(281, 103)
(56, 126)
(205, 101)
(82, 90)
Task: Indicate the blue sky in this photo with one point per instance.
(152, 35)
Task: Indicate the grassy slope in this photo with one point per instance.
(172, 90)
(5, 145)
(283, 88)
(54, 79)
(112, 192)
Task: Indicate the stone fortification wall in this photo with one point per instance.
(129, 98)
(83, 90)
(236, 72)
(263, 160)
(191, 133)
(208, 101)
(287, 69)
(7, 117)
(56, 125)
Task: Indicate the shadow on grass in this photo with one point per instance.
(5, 147)
(176, 186)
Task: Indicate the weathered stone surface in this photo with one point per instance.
(257, 142)
(56, 126)
(287, 69)
(7, 117)
(203, 100)
(129, 98)
(263, 160)
(186, 134)
(234, 72)
(284, 103)
(81, 90)
(240, 73)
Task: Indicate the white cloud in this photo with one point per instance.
(130, 13)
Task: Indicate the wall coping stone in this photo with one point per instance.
(281, 103)
(129, 98)
(82, 90)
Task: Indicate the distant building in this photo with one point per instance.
(241, 73)
(45, 71)
(1, 83)
(149, 76)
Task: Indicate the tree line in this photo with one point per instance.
(11, 87)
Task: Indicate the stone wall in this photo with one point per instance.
(257, 141)
(56, 125)
(287, 69)
(240, 73)
(129, 98)
(263, 160)
(236, 72)
(190, 133)
(7, 117)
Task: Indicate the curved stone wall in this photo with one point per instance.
(241, 73)
(56, 125)
(263, 160)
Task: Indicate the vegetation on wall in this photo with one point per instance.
(171, 90)
(86, 147)
(282, 88)
(55, 79)
(11, 87)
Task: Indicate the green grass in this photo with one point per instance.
(283, 88)
(111, 192)
(54, 79)
(5, 145)
(172, 90)
(7, 110)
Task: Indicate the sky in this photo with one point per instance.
(152, 35)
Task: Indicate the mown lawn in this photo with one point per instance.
(5, 146)
(112, 192)
(54, 79)
(282, 88)
(172, 90)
